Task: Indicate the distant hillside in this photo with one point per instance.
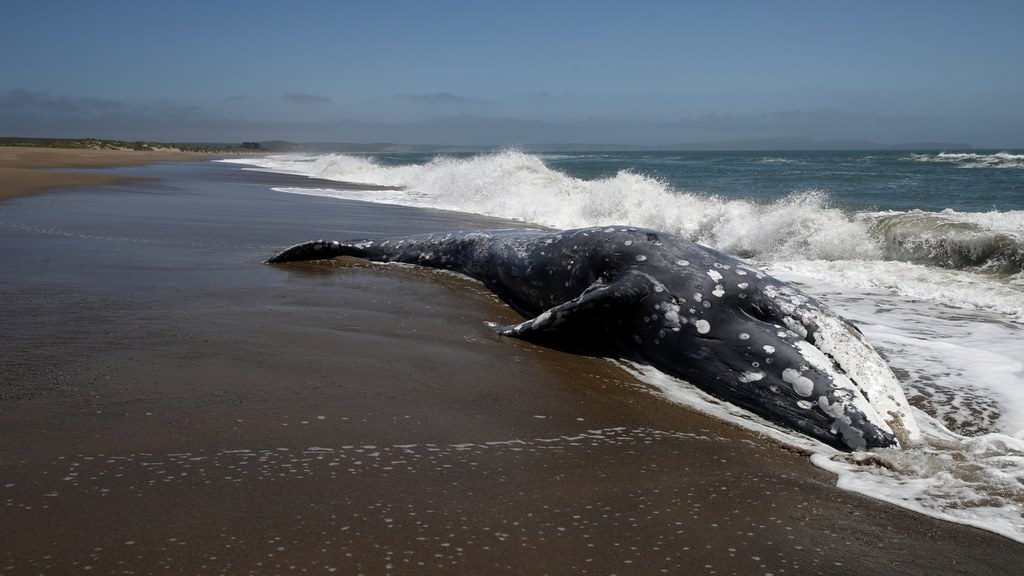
(278, 146)
(811, 144)
(98, 144)
(764, 144)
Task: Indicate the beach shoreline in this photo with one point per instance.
(28, 170)
(213, 414)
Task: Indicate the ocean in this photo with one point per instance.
(924, 251)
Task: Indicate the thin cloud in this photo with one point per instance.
(545, 96)
(301, 99)
(33, 101)
(440, 98)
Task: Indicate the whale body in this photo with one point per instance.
(688, 310)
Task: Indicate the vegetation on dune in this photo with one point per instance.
(99, 144)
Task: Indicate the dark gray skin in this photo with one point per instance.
(661, 300)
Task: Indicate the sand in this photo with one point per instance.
(168, 404)
(27, 170)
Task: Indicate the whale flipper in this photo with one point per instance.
(627, 290)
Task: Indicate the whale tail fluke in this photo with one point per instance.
(315, 250)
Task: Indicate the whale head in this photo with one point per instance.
(761, 344)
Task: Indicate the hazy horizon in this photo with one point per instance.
(453, 73)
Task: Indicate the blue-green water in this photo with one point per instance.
(975, 181)
(972, 181)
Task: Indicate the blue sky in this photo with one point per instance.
(506, 73)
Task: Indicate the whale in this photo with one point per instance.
(685, 309)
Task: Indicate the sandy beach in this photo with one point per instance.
(25, 170)
(169, 404)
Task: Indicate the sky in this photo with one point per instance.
(481, 72)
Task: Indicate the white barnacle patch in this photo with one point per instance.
(682, 262)
(744, 336)
(697, 297)
(769, 349)
(640, 257)
(795, 326)
(804, 404)
(743, 285)
(719, 291)
(703, 326)
(802, 385)
(747, 377)
(715, 275)
(872, 387)
(671, 316)
(628, 242)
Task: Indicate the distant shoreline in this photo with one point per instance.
(284, 146)
(26, 170)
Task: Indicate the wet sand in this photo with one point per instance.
(169, 404)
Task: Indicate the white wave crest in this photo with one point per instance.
(974, 159)
(802, 229)
(519, 186)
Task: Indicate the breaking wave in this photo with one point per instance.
(805, 226)
(974, 160)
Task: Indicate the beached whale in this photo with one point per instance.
(685, 309)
